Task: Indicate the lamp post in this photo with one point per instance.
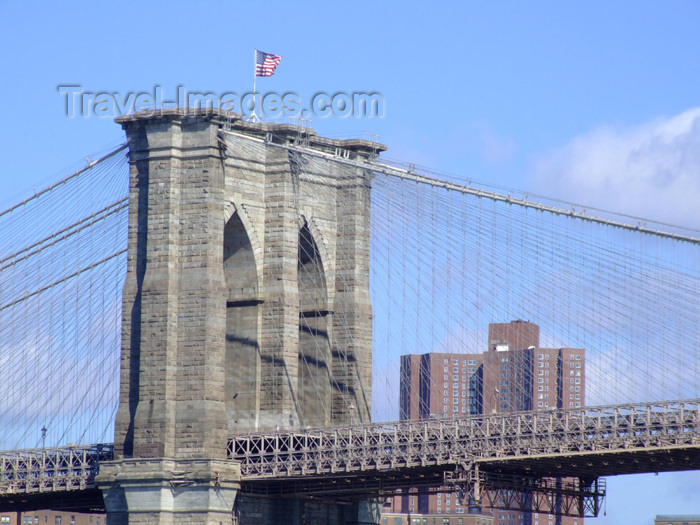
(43, 436)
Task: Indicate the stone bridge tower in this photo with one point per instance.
(245, 307)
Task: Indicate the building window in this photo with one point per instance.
(5, 519)
(539, 404)
(540, 356)
(57, 519)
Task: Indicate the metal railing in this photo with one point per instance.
(432, 443)
(51, 469)
(382, 448)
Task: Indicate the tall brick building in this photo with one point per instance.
(513, 374)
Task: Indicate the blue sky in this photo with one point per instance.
(594, 102)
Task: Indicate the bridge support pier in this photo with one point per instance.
(169, 492)
(245, 307)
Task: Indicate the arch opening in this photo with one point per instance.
(314, 371)
(242, 328)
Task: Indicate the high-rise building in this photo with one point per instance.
(513, 374)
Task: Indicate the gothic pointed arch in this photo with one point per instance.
(242, 325)
(314, 370)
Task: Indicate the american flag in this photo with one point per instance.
(265, 63)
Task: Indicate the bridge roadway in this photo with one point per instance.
(486, 452)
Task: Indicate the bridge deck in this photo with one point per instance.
(587, 444)
(584, 444)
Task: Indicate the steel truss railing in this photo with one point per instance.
(508, 461)
(564, 497)
(51, 469)
(483, 439)
(488, 459)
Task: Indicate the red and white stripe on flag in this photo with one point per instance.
(265, 63)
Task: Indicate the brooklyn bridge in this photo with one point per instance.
(205, 323)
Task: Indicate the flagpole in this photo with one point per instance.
(254, 117)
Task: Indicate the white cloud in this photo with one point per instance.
(650, 170)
